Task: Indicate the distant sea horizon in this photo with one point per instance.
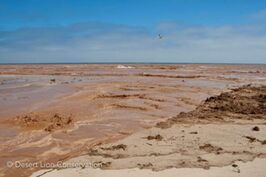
(166, 63)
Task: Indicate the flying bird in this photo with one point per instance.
(160, 36)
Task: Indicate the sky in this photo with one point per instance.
(193, 31)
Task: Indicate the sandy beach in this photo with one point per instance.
(247, 169)
(133, 119)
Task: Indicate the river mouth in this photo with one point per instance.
(104, 102)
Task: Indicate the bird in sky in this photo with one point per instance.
(160, 36)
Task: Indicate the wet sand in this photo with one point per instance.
(54, 112)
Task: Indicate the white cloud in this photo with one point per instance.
(98, 42)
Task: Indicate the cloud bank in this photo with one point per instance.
(103, 42)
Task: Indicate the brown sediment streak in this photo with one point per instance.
(119, 96)
(123, 96)
(129, 107)
(171, 76)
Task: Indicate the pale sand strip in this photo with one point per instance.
(255, 168)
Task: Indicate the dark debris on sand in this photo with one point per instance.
(116, 147)
(48, 123)
(156, 137)
(247, 102)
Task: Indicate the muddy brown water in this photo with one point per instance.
(152, 93)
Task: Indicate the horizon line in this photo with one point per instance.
(58, 63)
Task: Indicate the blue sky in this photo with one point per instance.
(219, 31)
